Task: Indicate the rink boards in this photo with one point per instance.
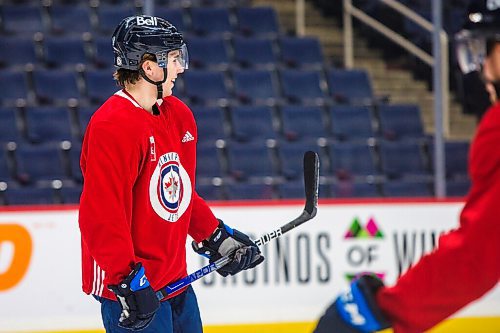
(40, 288)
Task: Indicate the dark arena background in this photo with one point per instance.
(372, 86)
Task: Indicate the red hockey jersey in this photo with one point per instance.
(466, 263)
(138, 202)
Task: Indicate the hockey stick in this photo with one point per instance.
(311, 179)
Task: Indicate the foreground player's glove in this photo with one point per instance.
(137, 299)
(356, 310)
(229, 242)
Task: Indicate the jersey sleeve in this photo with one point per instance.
(110, 163)
(466, 263)
(203, 220)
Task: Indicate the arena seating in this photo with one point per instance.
(260, 96)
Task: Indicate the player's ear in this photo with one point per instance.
(146, 66)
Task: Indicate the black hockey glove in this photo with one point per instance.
(229, 242)
(355, 311)
(137, 299)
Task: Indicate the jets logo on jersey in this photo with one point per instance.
(170, 188)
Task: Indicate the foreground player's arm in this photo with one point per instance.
(466, 264)
(106, 202)
(463, 267)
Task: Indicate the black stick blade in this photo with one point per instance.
(311, 181)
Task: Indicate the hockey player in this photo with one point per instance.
(466, 263)
(139, 202)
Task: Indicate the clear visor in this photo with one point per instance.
(470, 51)
(180, 57)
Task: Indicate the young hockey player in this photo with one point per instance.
(139, 202)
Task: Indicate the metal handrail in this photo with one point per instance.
(439, 62)
(300, 17)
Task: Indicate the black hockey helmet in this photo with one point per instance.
(138, 35)
(480, 32)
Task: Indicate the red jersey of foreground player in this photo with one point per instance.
(466, 263)
(142, 166)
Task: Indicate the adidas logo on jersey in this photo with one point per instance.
(187, 137)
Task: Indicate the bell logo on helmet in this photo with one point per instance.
(147, 20)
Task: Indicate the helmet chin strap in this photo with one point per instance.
(159, 88)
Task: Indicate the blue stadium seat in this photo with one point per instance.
(49, 164)
(303, 52)
(457, 187)
(71, 194)
(30, 195)
(294, 190)
(255, 86)
(55, 86)
(350, 86)
(205, 87)
(302, 122)
(21, 18)
(257, 21)
(48, 123)
(84, 113)
(13, 85)
(456, 158)
(110, 15)
(402, 159)
(400, 122)
(210, 191)
(173, 15)
(17, 51)
(244, 191)
(208, 164)
(208, 52)
(211, 123)
(249, 160)
(64, 51)
(211, 21)
(351, 122)
(350, 189)
(291, 157)
(100, 85)
(254, 52)
(252, 123)
(303, 86)
(70, 18)
(103, 51)
(352, 159)
(9, 129)
(5, 168)
(406, 188)
(74, 162)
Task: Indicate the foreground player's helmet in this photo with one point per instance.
(480, 32)
(138, 35)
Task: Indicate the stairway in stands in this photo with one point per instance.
(398, 84)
